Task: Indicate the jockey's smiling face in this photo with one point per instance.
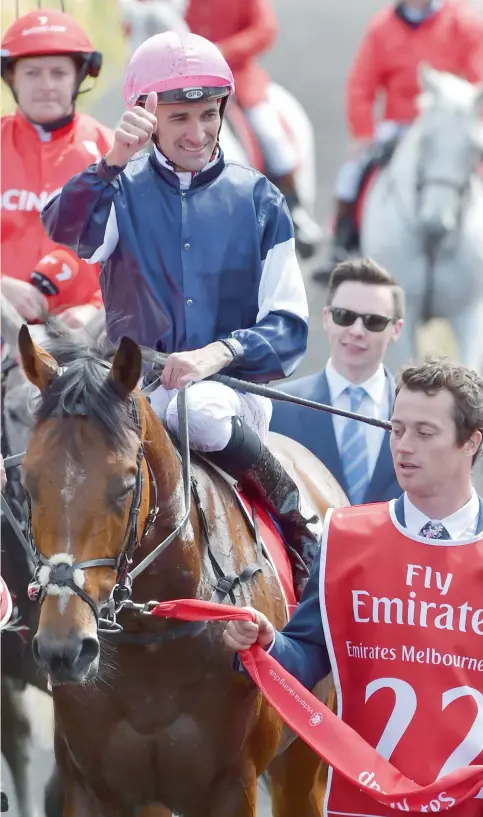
(357, 352)
(45, 86)
(187, 133)
(428, 459)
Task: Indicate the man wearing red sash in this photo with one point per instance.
(394, 605)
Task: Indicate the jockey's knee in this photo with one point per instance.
(209, 420)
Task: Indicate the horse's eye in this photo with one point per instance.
(118, 491)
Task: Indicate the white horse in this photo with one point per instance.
(423, 217)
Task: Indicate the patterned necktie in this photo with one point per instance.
(434, 529)
(354, 450)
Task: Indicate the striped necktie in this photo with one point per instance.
(354, 450)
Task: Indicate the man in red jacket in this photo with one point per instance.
(45, 58)
(448, 35)
(243, 30)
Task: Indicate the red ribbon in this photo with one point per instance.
(333, 740)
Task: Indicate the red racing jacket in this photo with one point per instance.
(242, 30)
(31, 170)
(391, 51)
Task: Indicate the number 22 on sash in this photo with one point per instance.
(404, 710)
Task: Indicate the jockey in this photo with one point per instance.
(45, 58)
(448, 35)
(394, 607)
(243, 30)
(198, 261)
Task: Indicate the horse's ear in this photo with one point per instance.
(428, 77)
(39, 367)
(127, 366)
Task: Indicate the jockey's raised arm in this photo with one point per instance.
(198, 260)
(45, 59)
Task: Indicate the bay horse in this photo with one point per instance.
(152, 720)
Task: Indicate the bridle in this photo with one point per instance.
(62, 574)
(460, 188)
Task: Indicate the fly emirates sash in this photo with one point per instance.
(403, 618)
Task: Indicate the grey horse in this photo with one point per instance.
(423, 217)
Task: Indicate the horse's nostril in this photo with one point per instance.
(64, 658)
(88, 652)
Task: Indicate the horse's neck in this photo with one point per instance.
(401, 175)
(166, 467)
(176, 573)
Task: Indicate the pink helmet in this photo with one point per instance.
(179, 69)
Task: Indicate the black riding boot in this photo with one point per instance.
(260, 473)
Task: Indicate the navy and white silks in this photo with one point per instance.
(183, 267)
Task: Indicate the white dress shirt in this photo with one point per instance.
(375, 404)
(460, 524)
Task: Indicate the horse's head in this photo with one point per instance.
(451, 143)
(83, 473)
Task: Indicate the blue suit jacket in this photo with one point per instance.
(300, 648)
(315, 430)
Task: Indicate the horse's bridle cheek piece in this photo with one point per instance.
(61, 575)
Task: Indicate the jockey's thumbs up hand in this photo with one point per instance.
(151, 102)
(240, 635)
(134, 131)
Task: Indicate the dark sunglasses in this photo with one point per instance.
(346, 317)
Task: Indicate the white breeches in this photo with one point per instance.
(350, 174)
(211, 407)
(279, 153)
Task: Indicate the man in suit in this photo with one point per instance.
(394, 605)
(364, 314)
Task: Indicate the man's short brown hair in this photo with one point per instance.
(366, 271)
(464, 383)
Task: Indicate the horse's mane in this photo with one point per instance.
(83, 386)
